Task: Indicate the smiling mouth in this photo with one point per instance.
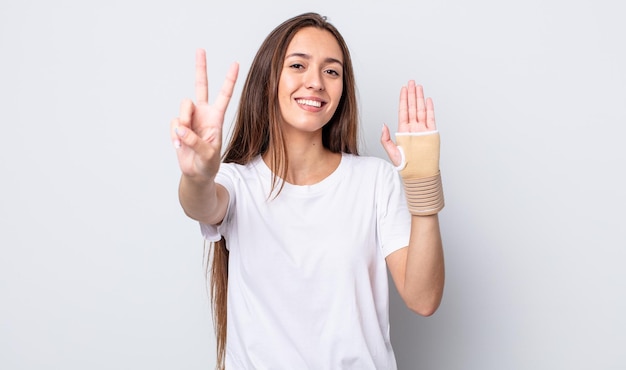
(310, 103)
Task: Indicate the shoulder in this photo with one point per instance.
(231, 174)
(231, 168)
(374, 172)
(368, 163)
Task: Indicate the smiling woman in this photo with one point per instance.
(311, 226)
(311, 84)
(309, 90)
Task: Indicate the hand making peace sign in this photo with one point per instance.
(197, 131)
(414, 115)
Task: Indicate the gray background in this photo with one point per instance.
(100, 269)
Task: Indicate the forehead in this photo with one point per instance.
(315, 42)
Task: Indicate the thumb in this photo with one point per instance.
(390, 147)
(188, 138)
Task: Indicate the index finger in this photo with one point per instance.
(403, 108)
(202, 83)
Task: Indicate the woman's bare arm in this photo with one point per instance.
(197, 136)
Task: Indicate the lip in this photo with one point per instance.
(310, 108)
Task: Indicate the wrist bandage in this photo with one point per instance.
(420, 171)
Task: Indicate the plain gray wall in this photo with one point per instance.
(100, 269)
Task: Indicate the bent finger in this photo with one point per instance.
(187, 137)
(187, 109)
(173, 136)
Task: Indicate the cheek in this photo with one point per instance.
(338, 88)
(336, 93)
(283, 96)
(286, 83)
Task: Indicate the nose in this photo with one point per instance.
(314, 80)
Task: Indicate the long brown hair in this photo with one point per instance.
(257, 131)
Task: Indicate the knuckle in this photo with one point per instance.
(191, 140)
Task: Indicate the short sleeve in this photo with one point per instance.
(394, 219)
(210, 233)
(214, 233)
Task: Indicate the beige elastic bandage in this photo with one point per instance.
(420, 171)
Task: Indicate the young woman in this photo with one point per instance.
(303, 227)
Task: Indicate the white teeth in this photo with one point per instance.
(312, 103)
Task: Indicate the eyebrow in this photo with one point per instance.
(307, 56)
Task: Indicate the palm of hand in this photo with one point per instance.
(415, 114)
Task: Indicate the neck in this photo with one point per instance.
(309, 161)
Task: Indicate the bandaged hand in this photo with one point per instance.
(416, 152)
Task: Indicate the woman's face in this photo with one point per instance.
(311, 81)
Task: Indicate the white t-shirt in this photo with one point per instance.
(307, 286)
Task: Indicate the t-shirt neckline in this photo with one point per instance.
(326, 183)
